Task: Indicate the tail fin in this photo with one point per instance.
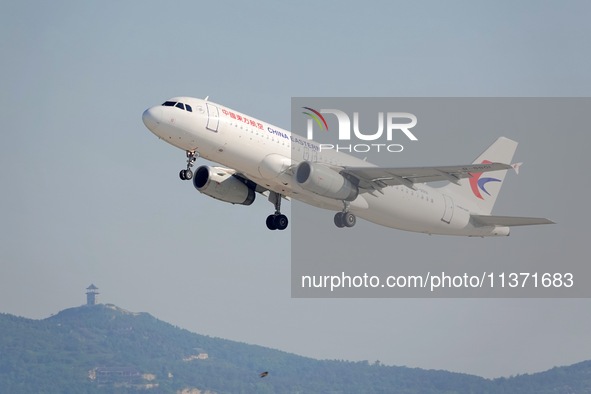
(482, 189)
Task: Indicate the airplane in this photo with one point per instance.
(257, 157)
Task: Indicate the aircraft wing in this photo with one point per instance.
(376, 178)
(487, 220)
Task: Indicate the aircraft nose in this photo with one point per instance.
(151, 117)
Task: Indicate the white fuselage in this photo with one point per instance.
(262, 152)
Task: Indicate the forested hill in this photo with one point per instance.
(103, 348)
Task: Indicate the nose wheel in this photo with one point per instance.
(277, 221)
(187, 174)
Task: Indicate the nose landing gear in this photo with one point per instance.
(187, 174)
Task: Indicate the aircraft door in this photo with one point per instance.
(448, 213)
(213, 117)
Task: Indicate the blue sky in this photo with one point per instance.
(91, 196)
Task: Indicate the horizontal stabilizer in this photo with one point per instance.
(488, 220)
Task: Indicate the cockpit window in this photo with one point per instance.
(184, 107)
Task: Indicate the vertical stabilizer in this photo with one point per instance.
(482, 189)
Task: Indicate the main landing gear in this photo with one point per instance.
(187, 174)
(345, 218)
(277, 221)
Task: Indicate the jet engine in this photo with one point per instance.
(324, 181)
(220, 184)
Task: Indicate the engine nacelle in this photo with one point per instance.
(216, 182)
(324, 181)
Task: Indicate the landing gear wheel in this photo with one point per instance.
(349, 219)
(271, 222)
(344, 219)
(280, 222)
(338, 220)
(186, 175)
(277, 221)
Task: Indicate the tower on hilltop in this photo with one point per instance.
(91, 293)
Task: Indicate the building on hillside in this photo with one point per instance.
(91, 293)
(115, 375)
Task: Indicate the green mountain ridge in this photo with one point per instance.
(103, 348)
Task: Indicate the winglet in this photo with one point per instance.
(516, 167)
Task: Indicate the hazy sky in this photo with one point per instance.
(89, 195)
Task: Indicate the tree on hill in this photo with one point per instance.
(103, 348)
